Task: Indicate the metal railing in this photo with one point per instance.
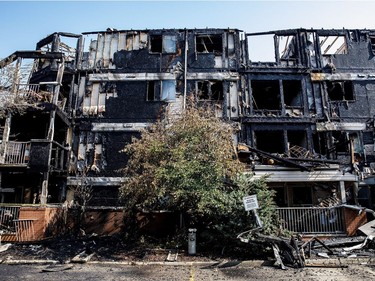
(17, 153)
(27, 90)
(313, 220)
(7, 216)
(25, 230)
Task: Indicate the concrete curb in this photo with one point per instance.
(12, 262)
(342, 261)
(224, 263)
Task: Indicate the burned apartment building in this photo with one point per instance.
(304, 114)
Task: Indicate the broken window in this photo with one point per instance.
(210, 90)
(340, 90)
(333, 45)
(292, 93)
(209, 43)
(266, 94)
(270, 141)
(168, 90)
(163, 43)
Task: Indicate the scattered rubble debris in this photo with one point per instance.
(57, 267)
(82, 257)
(5, 247)
(172, 255)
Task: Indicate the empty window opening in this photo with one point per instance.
(338, 91)
(292, 93)
(151, 91)
(270, 141)
(320, 144)
(287, 47)
(297, 138)
(280, 196)
(209, 44)
(340, 142)
(266, 94)
(372, 44)
(261, 48)
(210, 90)
(163, 43)
(302, 195)
(333, 45)
(68, 47)
(156, 42)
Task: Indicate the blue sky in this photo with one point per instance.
(25, 23)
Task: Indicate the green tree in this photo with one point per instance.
(190, 166)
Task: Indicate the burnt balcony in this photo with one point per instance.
(40, 93)
(17, 153)
(37, 154)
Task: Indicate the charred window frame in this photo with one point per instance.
(372, 43)
(164, 90)
(320, 142)
(210, 90)
(153, 90)
(209, 43)
(340, 90)
(292, 90)
(270, 141)
(266, 94)
(340, 142)
(165, 44)
(297, 138)
(333, 45)
(302, 195)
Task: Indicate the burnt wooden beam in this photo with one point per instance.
(30, 55)
(279, 159)
(50, 37)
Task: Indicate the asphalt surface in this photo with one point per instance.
(230, 271)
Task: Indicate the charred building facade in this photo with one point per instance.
(305, 114)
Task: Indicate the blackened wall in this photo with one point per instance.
(131, 105)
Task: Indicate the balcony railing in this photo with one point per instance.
(313, 220)
(8, 214)
(17, 153)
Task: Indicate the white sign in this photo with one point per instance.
(250, 202)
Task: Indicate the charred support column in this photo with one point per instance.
(3, 146)
(342, 192)
(1, 193)
(8, 120)
(51, 130)
(276, 45)
(185, 69)
(282, 100)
